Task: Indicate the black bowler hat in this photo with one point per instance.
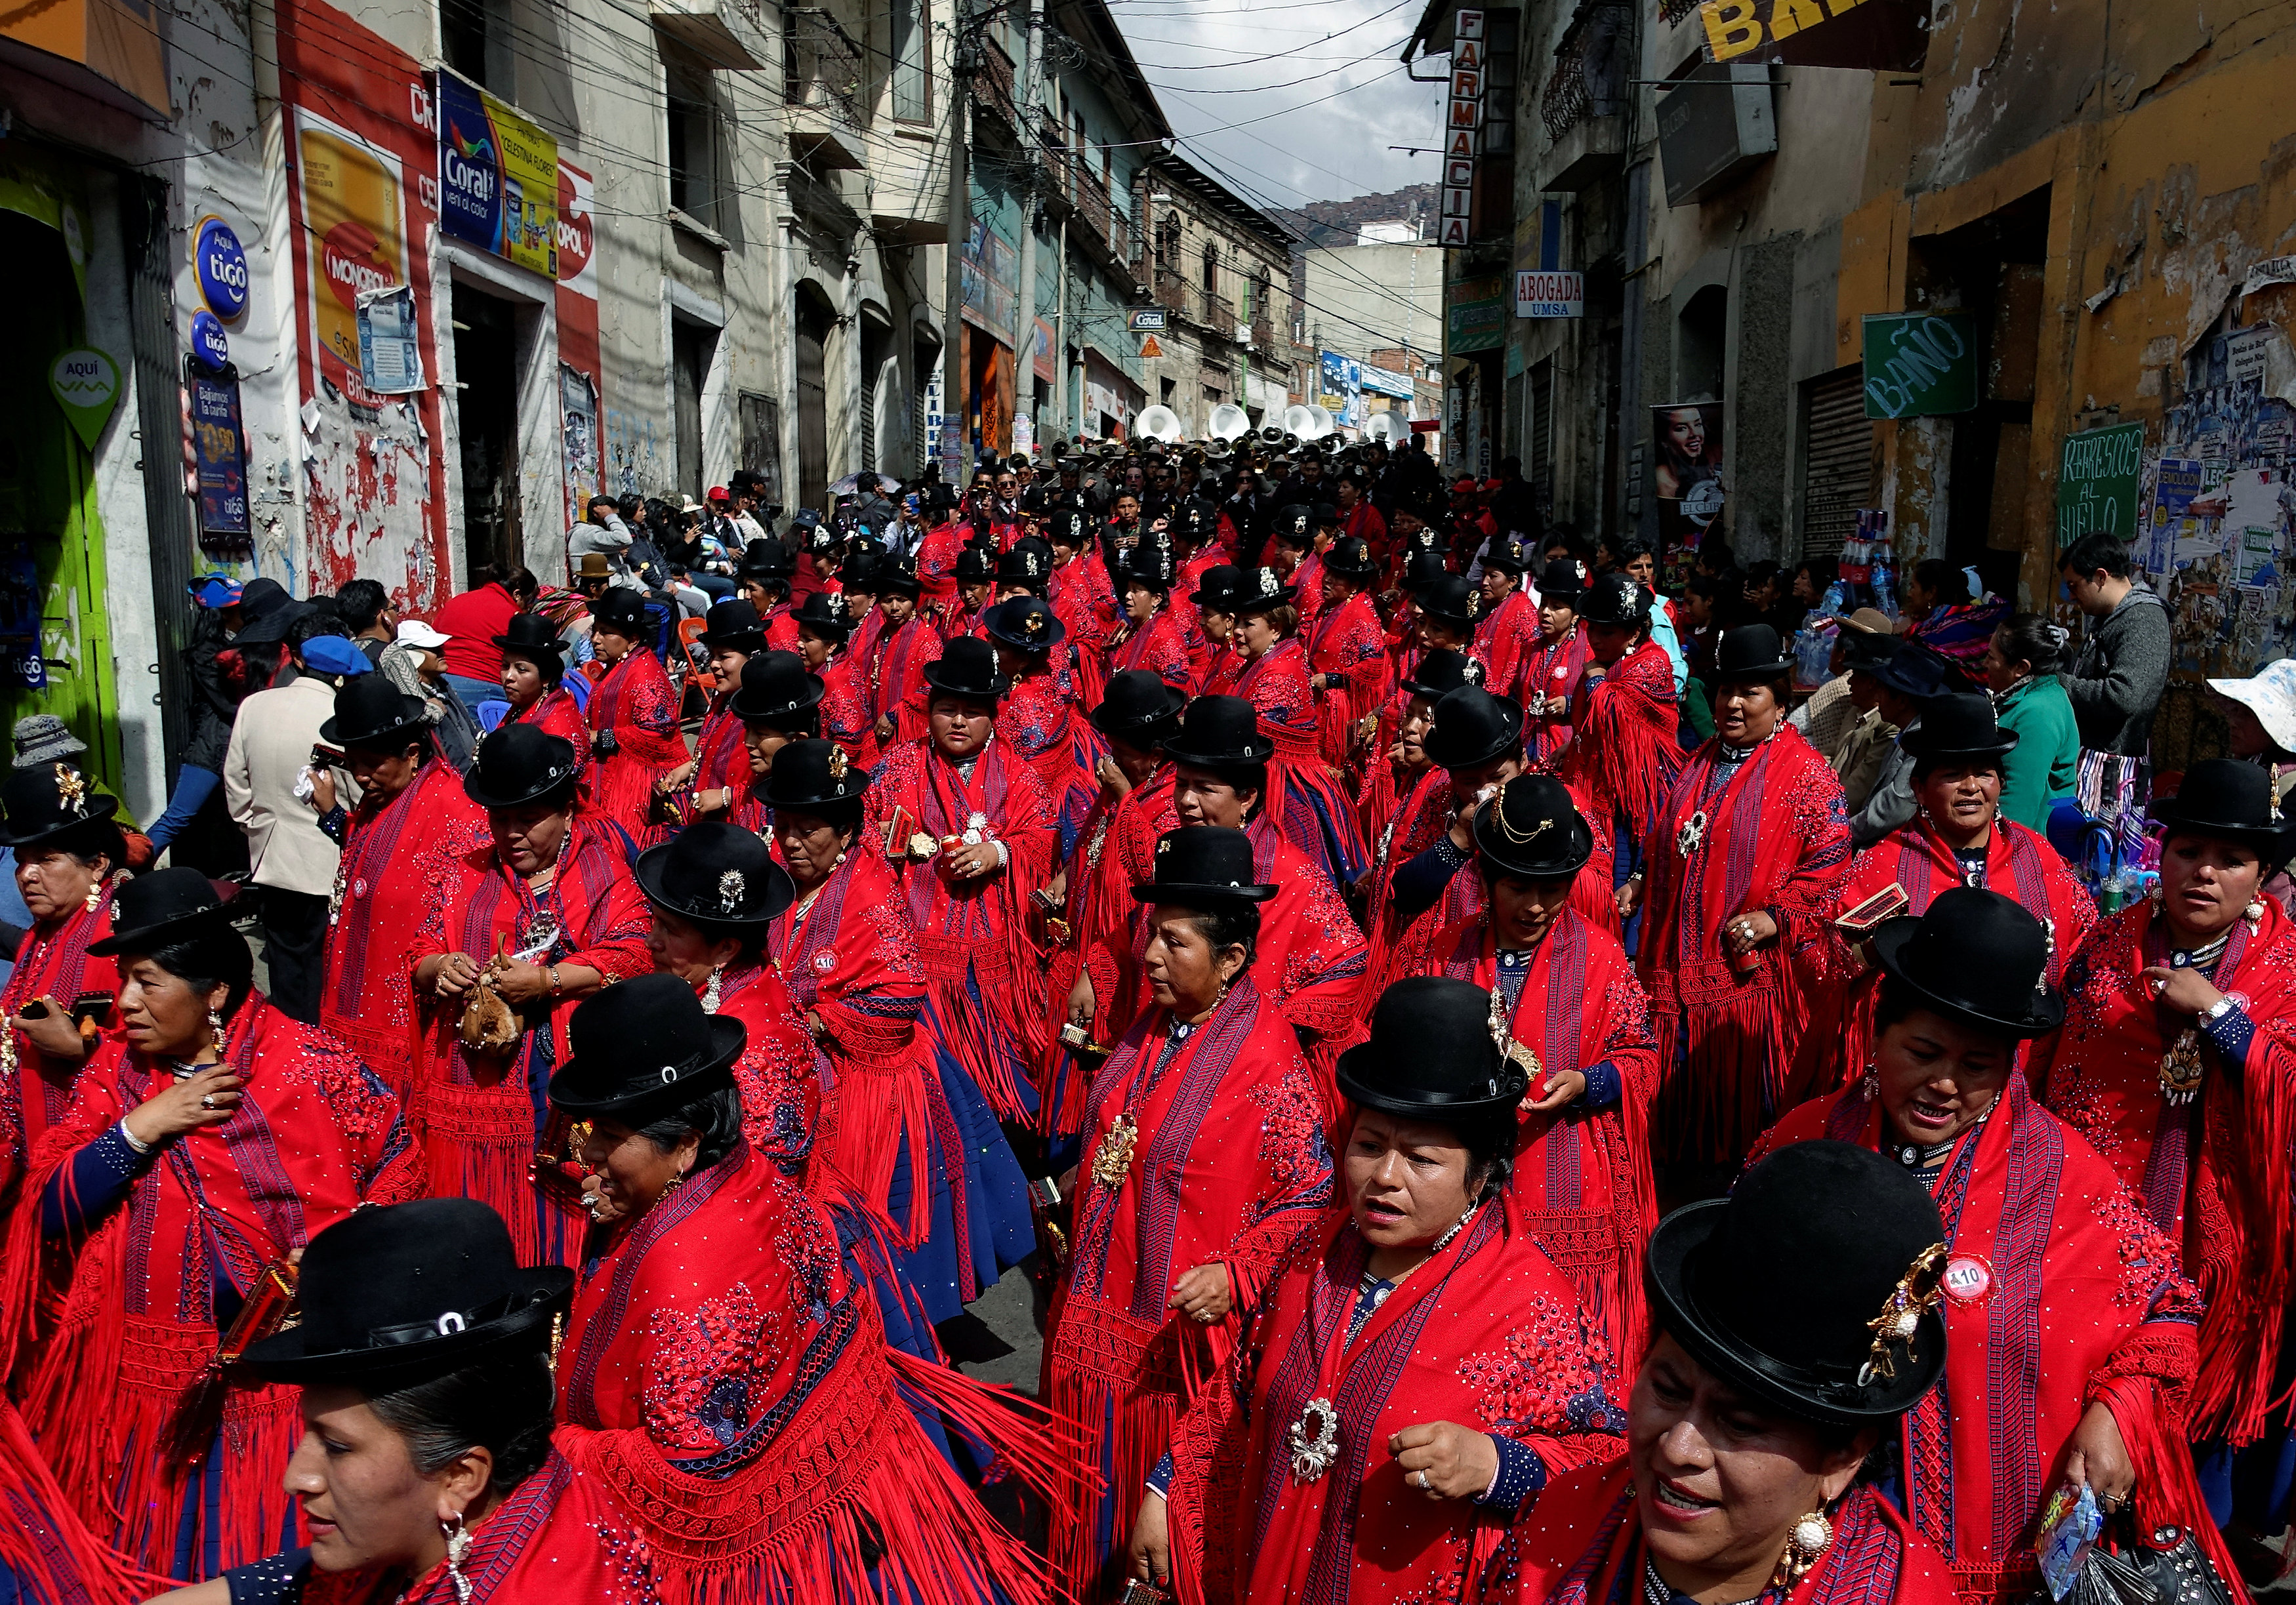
(1471, 726)
(1066, 526)
(518, 764)
(776, 686)
(1218, 732)
(1029, 562)
(1324, 515)
(1351, 558)
(1429, 537)
(1295, 524)
(1614, 598)
(272, 625)
(864, 570)
(47, 799)
(976, 565)
(825, 613)
(1216, 588)
(1430, 1057)
(1961, 726)
(1976, 957)
(163, 906)
(812, 774)
(900, 576)
(1914, 670)
(1195, 519)
(717, 874)
(1451, 599)
(1149, 566)
(1198, 865)
(1751, 651)
(1563, 579)
(2220, 797)
(642, 1049)
(1137, 705)
(767, 560)
(1509, 554)
(1025, 624)
(1533, 830)
(1813, 1286)
(1259, 590)
(967, 668)
(733, 625)
(1424, 567)
(532, 636)
(620, 608)
(370, 711)
(394, 1296)
(1441, 671)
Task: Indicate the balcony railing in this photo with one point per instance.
(824, 68)
(1590, 72)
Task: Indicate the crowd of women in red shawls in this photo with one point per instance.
(1473, 1141)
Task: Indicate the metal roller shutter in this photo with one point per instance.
(1540, 470)
(1837, 460)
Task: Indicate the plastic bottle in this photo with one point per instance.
(1830, 605)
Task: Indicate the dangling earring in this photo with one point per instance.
(2254, 911)
(1870, 1087)
(710, 994)
(1805, 1543)
(458, 1550)
(215, 1029)
(95, 891)
(676, 1182)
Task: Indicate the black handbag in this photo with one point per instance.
(2162, 1567)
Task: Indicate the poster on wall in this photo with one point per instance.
(1686, 474)
(582, 393)
(219, 461)
(356, 235)
(497, 177)
(23, 667)
(390, 344)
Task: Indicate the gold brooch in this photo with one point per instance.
(836, 764)
(1900, 1321)
(71, 786)
(1113, 1162)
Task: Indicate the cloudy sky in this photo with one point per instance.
(1316, 85)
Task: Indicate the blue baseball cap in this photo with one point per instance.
(334, 655)
(215, 590)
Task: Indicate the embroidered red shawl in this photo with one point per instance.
(1503, 639)
(1549, 681)
(635, 701)
(727, 1378)
(1773, 836)
(722, 749)
(845, 709)
(2213, 1173)
(1159, 646)
(2073, 1296)
(901, 660)
(560, 715)
(1487, 1334)
(53, 961)
(396, 855)
(781, 1072)
(1307, 798)
(1582, 1180)
(1227, 1162)
(1623, 753)
(1041, 722)
(1112, 928)
(1348, 642)
(115, 1325)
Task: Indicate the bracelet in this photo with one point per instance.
(131, 1138)
(550, 974)
(2217, 1010)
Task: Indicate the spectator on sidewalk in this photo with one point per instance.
(2021, 670)
(1910, 678)
(470, 622)
(291, 862)
(373, 623)
(600, 531)
(2116, 683)
(413, 664)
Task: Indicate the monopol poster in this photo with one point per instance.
(1686, 471)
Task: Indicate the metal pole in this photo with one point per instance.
(1024, 301)
(955, 378)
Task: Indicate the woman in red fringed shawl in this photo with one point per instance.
(975, 593)
(1759, 1406)
(545, 911)
(1204, 1157)
(1554, 662)
(69, 858)
(1582, 1167)
(846, 719)
(908, 646)
(425, 1472)
(726, 1373)
(635, 738)
(399, 845)
(1358, 518)
(1957, 837)
(1214, 670)
(1115, 851)
(905, 1125)
(1507, 623)
(1306, 797)
(1076, 584)
(1744, 872)
(209, 1140)
(970, 831)
(1347, 659)
(715, 782)
(1622, 755)
(1151, 637)
(2177, 1061)
(534, 680)
(1419, 1368)
(1040, 721)
(2073, 1334)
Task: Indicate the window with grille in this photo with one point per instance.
(1837, 460)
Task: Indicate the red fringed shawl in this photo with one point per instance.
(1348, 642)
(114, 1326)
(1159, 646)
(2213, 1173)
(53, 961)
(845, 700)
(557, 713)
(1487, 1334)
(1112, 929)
(479, 1117)
(1549, 683)
(1582, 1545)
(728, 1379)
(721, 753)
(1227, 1162)
(972, 934)
(1582, 1179)
(2075, 1296)
(901, 659)
(1310, 963)
(44, 1544)
(635, 701)
(1623, 753)
(396, 855)
(1081, 598)
(2018, 864)
(781, 1072)
(1306, 797)
(1504, 640)
(1041, 722)
(1774, 835)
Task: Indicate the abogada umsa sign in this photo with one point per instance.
(497, 177)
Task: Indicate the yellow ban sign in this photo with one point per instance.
(1737, 27)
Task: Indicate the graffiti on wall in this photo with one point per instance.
(633, 462)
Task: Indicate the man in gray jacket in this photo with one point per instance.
(1906, 681)
(2116, 684)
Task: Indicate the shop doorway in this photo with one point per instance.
(815, 319)
(691, 345)
(487, 365)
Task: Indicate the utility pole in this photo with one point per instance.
(1024, 299)
(965, 61)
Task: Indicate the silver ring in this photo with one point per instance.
(207, 1101)
(1423, 1482)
